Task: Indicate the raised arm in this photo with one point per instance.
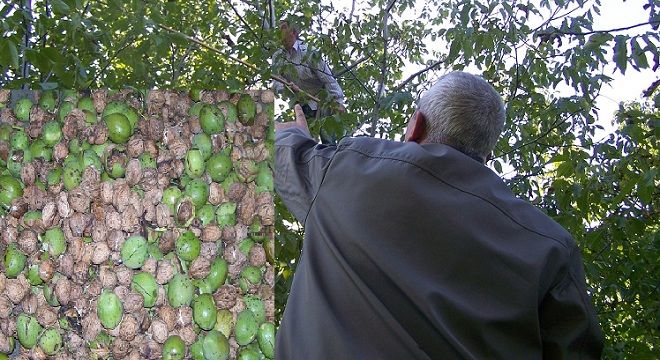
(300, 164)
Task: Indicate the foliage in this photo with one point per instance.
(543, 56)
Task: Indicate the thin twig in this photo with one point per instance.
(350, 71)
(350, 15)
(240, 17)
(177, 70)
(352, 66)
(125, 45)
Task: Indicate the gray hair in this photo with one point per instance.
(464, 111)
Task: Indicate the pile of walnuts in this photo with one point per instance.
(136, 225)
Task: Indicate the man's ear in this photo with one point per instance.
(416, 128)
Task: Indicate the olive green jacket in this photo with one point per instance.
(420, 252)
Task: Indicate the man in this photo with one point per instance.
(416, 250)
(308, 75)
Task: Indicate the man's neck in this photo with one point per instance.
(291, 49)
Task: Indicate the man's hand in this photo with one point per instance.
(300, 123)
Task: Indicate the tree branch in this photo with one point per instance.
(413, 76)
(606, 31)
(233, 58)
(383, 67)
(26, 7)
(649, 91)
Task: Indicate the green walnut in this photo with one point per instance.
(72, 175)
(19, 140)
(87, 104)
(65, 110)
(14, 261)
(266, 339)
(203, 286)
(51, 298)
(264, 179)
(171, 197)
(15, 162)
(226, 214)
(188, 246)
(33, 275)
(246, 327)
(218, 273)
(215, 346)
(10, 189)
(228, 110)
(145, 284)
(38, 149)
(180, 291)
(211, 119)
(195, 94)
(27, 329)
(117, 107)
(51, 133)
(134, 252)
(254, 304)
(247, 109)
(197, 348)
(229, 181)
(119, 128)
(22, 109)
(198, 191)
(91, 158)
(109, 309)
(195, 109)
(174, 348)
(218, 167)
(224, 322)
(147, 161)
(47, 100)
(206, 214)
(194, 163)
(248, 354)
(250, 275)
(6, 132)
(204, 144)
(50, 341)
(54, 176)
(54, 241)
(204, 311)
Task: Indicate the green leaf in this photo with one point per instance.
(8, 54)
(621, 53)
(638, 55)
(60, 8)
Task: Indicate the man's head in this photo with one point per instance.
(462, 111)
(289, 32)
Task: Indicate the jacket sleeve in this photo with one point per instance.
(300, 165)
(331, 85)
(569, 326)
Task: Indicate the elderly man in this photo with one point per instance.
(416, 250)
(312, 76)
